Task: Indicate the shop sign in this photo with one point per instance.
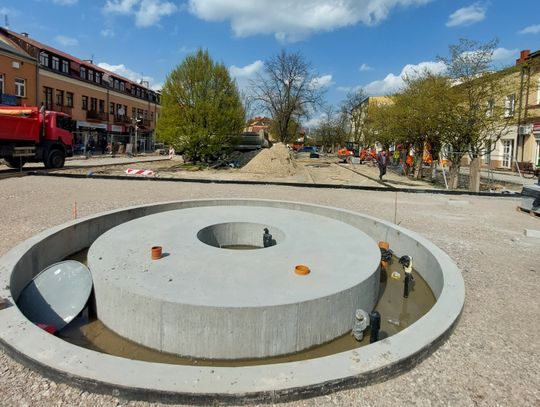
(536, 127)
(81, 123)
(116, 128)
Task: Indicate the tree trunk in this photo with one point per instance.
(418, 168)
(474, 175)
(453, 176)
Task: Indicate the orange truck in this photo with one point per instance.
(28, 134)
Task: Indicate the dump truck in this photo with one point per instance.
(31, 134)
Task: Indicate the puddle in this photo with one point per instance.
(397, 313)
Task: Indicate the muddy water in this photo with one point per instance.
(397, 313)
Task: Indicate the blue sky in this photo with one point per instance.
(350, 43)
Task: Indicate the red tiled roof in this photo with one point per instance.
(87, 64)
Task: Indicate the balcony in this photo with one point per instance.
(122, 119)
(64, 109)
(95, 115)
(10, 100)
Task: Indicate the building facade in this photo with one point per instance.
(108, 109)
(528, 110)
(18, 75)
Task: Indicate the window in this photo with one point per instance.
(56, 63)
(490, 104)
(116, 84)
(59, 97)
(85, 103)
(83, 72)
(65, 66)
(44, 59)
(65, 123)
(119, 110)
(98, 77)
(93, 104)
(69, 99)
(133, 112)
(111, 108)
(47, 97)
(20, 87)
(509, 104)
(91, 75)
(101, 106)
(1, 83)
(122, 86)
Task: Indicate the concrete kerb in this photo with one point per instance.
(279, 382)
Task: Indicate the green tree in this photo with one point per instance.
(479, 117)
(202, 113)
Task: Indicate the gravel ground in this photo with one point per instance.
(491, 359)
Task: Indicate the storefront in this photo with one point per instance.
(99, 136)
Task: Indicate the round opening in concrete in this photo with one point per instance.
(241, 235)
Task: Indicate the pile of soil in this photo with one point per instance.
(275, 161)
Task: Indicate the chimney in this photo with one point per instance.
(522, 56)
(24, 35)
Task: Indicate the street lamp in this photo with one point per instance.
(107, 79)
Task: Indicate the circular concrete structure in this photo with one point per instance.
(127, 378)
(203, 301)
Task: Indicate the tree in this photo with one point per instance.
(288, 90)
(353, 109)
(478, 117)
(331, 131)
(419, 110)
(202, 113)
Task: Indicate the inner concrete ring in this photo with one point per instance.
(126, 378)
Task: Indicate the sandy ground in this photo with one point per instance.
(491, 359)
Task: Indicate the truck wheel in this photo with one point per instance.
(55, 159)
(15, 162)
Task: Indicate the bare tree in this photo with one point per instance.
(353, 109)
(288, 89)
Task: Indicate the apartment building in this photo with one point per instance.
(528, 110)
(18, 75)
(107, 107)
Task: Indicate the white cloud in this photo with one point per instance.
(107, 33)
(247, 71)
(532, 29)
(290, 20)
(65, 2)
(505, 55)
(146, 12)
(392, 83)
(365, 67)
(322, 81)
(467, 15)
(315, 121)
(122, 70)
(66, 41)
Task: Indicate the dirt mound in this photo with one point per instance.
(275, 161)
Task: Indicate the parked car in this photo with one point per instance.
(311, 150)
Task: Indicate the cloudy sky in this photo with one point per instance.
(350, 43)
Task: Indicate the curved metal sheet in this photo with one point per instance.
(57, 294)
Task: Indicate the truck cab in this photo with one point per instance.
(30, 135)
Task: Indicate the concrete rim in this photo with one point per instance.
(153, 381)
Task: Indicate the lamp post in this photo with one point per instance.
(107, 80)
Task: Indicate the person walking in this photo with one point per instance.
(382, 161)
